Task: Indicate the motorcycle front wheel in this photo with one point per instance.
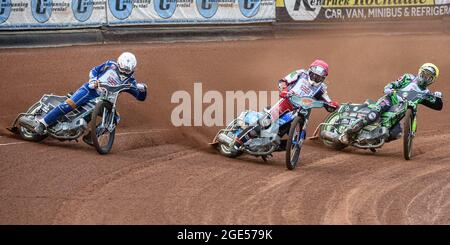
(102, 138)
(408, 135)
(293, 146)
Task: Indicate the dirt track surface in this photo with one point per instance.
(158, 174)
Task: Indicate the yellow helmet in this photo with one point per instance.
(428, 73)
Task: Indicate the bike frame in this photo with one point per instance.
(385, 119)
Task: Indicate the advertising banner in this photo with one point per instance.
(60, 14)
(360, 10)
(189, 11)
(53, 14)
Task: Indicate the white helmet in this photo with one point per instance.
(127, 63)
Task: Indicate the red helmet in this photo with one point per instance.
(318, 71)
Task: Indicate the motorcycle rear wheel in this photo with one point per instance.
(293, 147)
(408, 135)
(97, 133)
(27, 134)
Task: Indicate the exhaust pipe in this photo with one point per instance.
(224, 139)
(326, 135)
(27, 123)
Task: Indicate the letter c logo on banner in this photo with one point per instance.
(82, 9)
(207, 8)
(165, 8)
(5, 10)
(41, 10)
(249, 8)
(121, 9)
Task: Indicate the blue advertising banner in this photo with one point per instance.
(61, 14)
(53, 14)
(189, 11)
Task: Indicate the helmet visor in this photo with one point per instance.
(317, 74)
(319, 71)
(125, 70)
(426, 77)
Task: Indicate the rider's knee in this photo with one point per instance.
(65, 107)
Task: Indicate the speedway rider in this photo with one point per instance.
(301, 82)
(427, 74)
(110, 72)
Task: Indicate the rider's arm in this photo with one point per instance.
(400, 82)
(138, 91)
(323, 95)
(433, 102)
(286, 83)
(98, 70)
(288, 80)
(331, 106)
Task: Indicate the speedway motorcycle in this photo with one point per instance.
(266, 133)
(97, 119)
(387, 128)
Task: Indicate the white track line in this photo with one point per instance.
(13, 143)
(144, 132)
(125, 133)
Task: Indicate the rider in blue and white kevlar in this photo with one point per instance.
(110, 72)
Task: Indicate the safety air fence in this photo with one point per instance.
(69, 14)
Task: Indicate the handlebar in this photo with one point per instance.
(397, 91)
(307, 102)
(114, 89)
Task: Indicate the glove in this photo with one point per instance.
(142, 87)
(282, 85)
(437, 94)
(388, 91)
(93, 83)
(283, 93)
(333, 106)
(286, 93)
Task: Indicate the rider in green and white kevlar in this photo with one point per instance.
(428, 73)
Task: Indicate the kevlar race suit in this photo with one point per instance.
(297, 82)
(384, 104)
(105, 73)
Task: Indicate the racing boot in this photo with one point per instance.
(395, 132)
(348, 134)
(245, 135)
